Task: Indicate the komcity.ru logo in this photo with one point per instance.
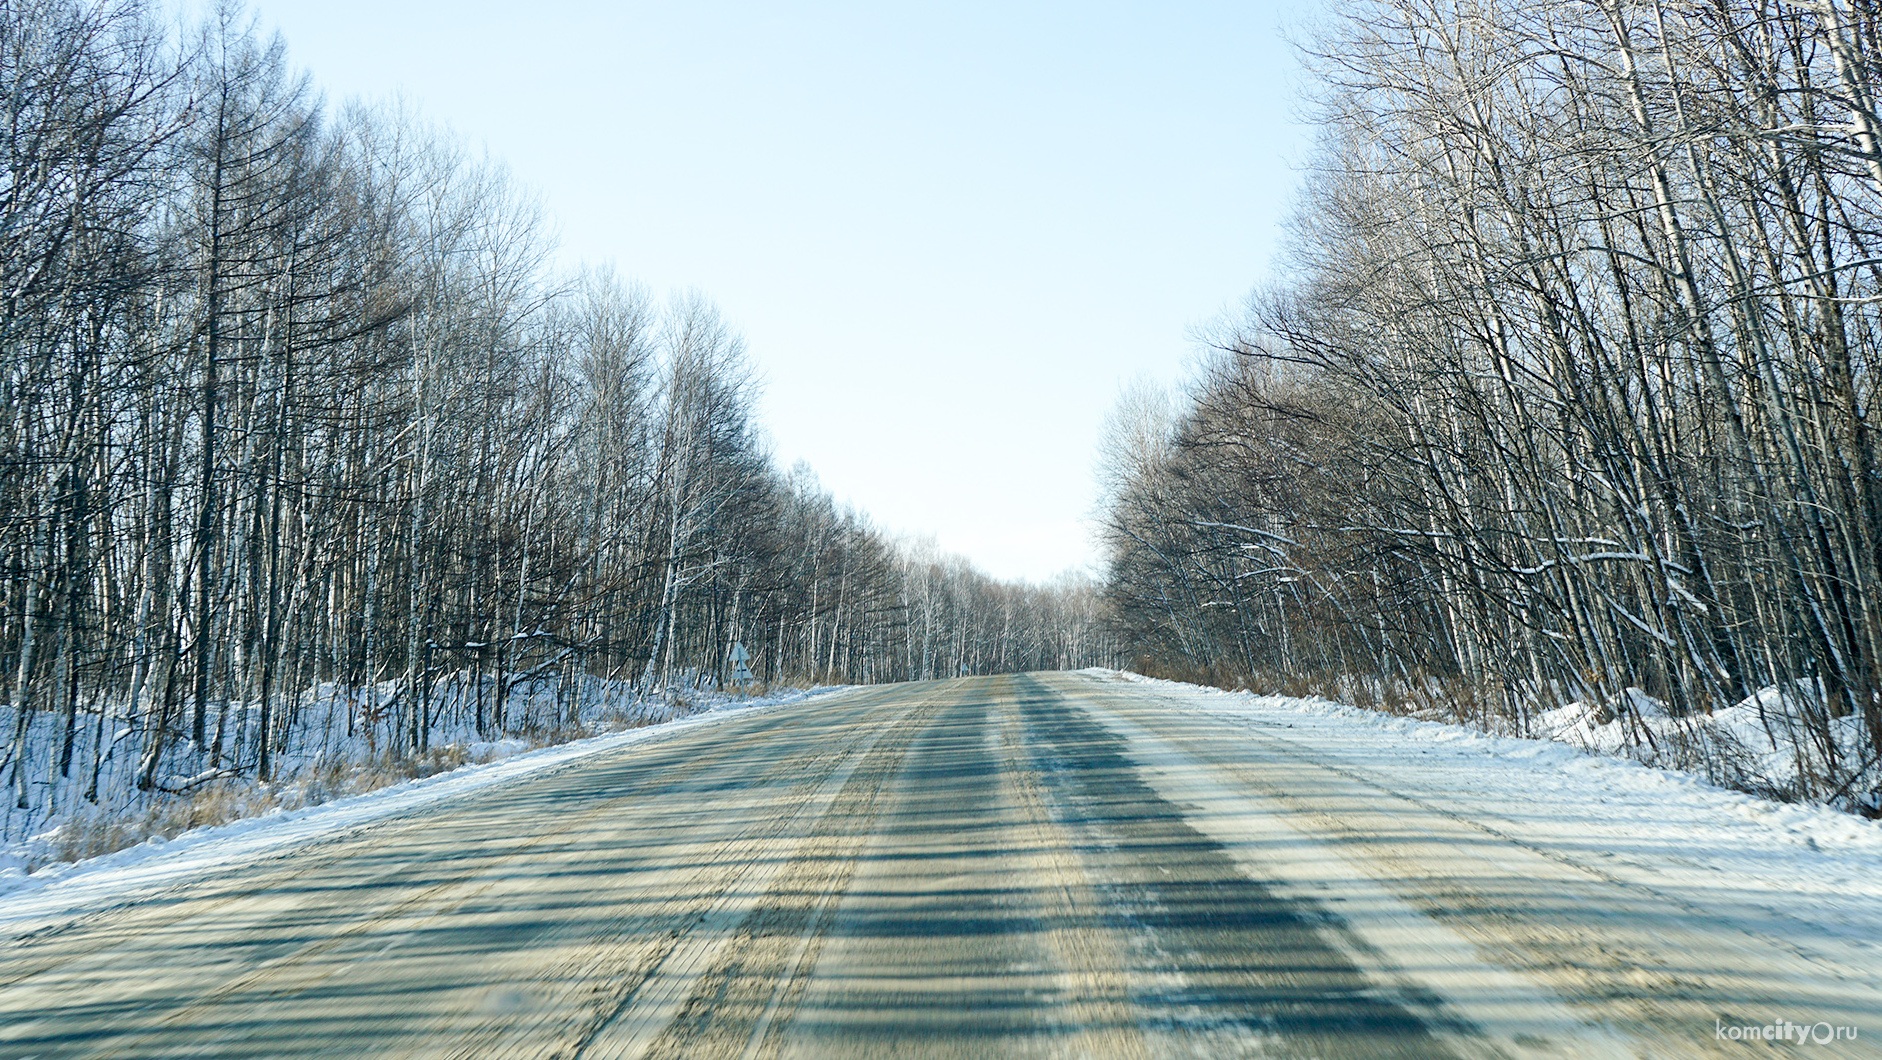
(1784, 1031)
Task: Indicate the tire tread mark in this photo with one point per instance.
(745, 1001)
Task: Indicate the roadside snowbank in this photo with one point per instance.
(1765, 744)
(66, 890)
(1659, 827)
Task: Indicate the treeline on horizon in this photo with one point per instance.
(294, 397)
(1571, 385)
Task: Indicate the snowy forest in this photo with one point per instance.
(1566, 397)
(301, 416)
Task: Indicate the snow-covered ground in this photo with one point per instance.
(1660, 828)
(66, 890)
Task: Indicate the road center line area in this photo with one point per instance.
(1039, 865)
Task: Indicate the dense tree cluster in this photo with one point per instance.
(294, 400)
(1573, 382)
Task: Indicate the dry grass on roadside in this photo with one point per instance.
(96, 834)
(221, 801)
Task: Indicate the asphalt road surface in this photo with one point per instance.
(1045, 865)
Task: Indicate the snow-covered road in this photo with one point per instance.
(1045, 865)
(1527, 883)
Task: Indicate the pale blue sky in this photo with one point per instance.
(950, 232)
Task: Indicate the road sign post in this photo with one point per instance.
(741, 667)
